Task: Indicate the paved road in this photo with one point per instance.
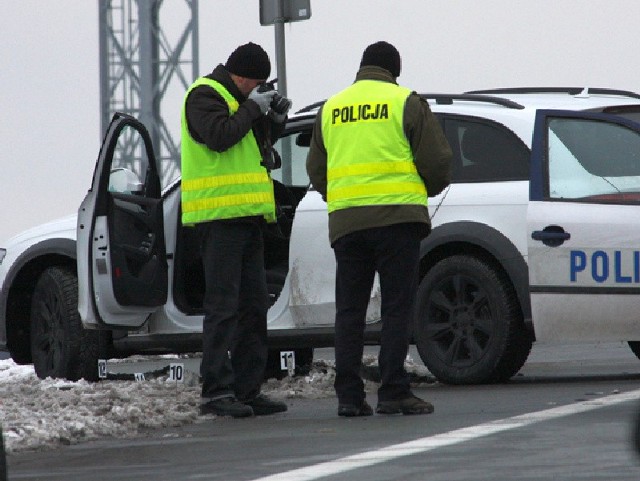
(567, 416)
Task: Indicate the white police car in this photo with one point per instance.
(535, 239)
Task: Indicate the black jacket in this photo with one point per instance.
(209, 121)
(431, 154)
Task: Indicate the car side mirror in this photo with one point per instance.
(124, 181)
(303, 139)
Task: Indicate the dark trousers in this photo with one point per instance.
(393, 252)
(234, 351)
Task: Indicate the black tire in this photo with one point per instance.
(469, 327)
(635, 347)
(60, 346)
(304, 360)
(21, 352)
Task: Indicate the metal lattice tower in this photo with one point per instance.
(139, 65)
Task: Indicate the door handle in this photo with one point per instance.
(143, 250)
(552, 235)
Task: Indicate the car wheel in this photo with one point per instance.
(60, 346)
(304, 359)
(469, 327)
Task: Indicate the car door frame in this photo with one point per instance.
(113, 297)
(570, 312)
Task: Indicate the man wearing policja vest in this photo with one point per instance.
(377, 152)
(228, 127)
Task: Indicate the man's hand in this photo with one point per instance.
(279, 117)
(263, 99)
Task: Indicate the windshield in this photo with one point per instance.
(293, 148)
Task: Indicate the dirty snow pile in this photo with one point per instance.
(41, 414)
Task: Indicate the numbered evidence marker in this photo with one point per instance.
(102, 368)
(288, 361)
(176, 372)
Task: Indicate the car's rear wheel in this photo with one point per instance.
(468, 327)
(60, 346)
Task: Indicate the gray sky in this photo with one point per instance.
(49, 77)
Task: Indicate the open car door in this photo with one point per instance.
(122, 264)
(583, 225)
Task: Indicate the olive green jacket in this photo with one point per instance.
(432, 156)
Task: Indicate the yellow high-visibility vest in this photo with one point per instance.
(223, 185)
(369, 159)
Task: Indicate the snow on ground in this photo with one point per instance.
(39, 414)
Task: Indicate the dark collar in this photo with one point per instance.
(221, 75)
(371, 72)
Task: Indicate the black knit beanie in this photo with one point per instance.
(382, 54)
(249, 61)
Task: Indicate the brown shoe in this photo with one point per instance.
(408, 405)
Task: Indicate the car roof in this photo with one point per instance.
(545, 97)
(518, 98)
(514, 107)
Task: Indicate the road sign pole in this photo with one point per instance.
(279, 12)
(281, 57)
(281, 62)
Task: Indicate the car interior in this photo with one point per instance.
(188, 285)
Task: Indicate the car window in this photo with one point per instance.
(485, 151)
(631, 112)
(130, 163)
(293, 148)
(593, 159)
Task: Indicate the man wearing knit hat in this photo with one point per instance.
(377, 153)
(228, 131)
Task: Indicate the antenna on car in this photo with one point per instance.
(584, 94)
(444, 196)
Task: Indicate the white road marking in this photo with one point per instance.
(370, 458)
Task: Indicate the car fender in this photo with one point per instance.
(487, 238)
(57, 247)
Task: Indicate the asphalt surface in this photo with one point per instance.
(585, 399)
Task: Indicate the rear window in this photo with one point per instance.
(485, 151)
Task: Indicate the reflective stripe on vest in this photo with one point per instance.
(369, 159)
(223, 185)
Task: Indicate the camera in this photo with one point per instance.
(279, 104)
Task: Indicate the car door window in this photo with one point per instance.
(130, 163)
(485, 151)
(593, 160)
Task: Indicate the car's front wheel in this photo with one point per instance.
(60, 346)
(468, 327)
